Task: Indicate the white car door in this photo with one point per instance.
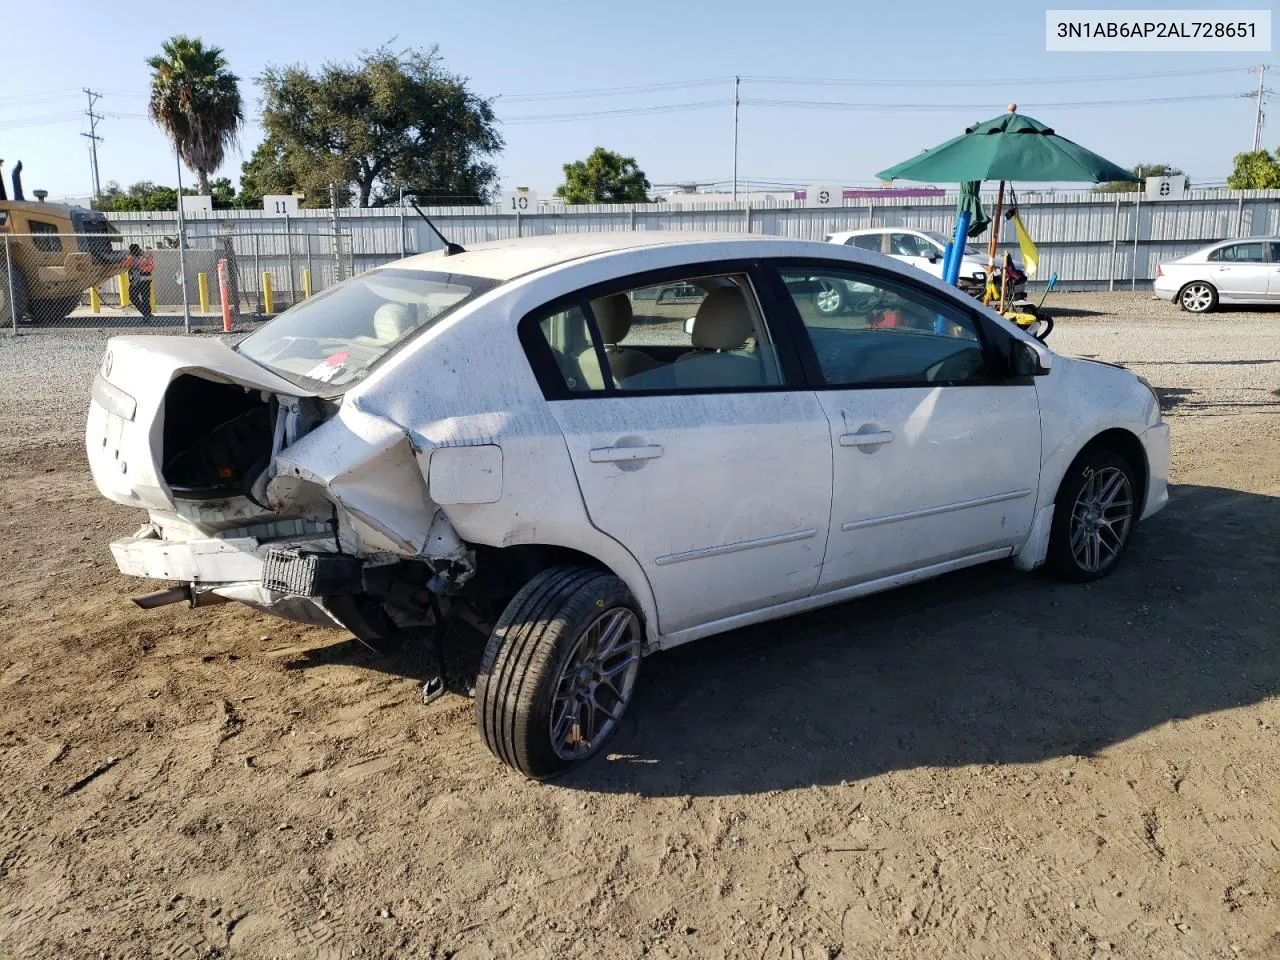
(703, 454)
(936, 449)
(1241, 270)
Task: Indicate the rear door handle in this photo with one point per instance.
(623, 454)
(866, 439)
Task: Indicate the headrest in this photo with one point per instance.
(613, 317)
(723, 321)
(392, 321)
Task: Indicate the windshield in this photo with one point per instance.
(334, 339)
(942, 240)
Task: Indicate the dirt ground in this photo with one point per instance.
(989, 765)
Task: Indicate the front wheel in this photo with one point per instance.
(559, 670)
(1094, 516)
(1198, 297)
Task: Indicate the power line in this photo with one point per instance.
(1012, 81)
(621, 112)
(942, 107)
(610, 91)
(38, 120)
(48, 96)
(94, 138)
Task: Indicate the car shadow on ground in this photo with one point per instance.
(1058, 312)
(1198, 403)
(984, 666)
(987, 666)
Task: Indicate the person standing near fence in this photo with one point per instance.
(140, 266)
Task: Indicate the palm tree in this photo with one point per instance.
(195, 99)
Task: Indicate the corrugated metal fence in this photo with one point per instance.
(1093, 241)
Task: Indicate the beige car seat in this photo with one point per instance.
(613, 318)
(721, 328)
(391, 321)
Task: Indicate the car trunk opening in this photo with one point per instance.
(218, 438)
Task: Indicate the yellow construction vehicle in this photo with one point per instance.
(57, 250)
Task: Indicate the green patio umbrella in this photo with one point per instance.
(1009, 147)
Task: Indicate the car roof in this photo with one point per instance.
(517, 256)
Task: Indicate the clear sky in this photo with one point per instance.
(961, 62)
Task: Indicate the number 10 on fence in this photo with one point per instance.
(522, 201)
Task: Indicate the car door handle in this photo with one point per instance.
(623, 454)
(866, 439)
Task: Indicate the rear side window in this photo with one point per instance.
(867, 241)
(1240, 253)
(46, 238)
(699, 333)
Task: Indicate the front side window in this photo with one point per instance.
(335, 338)
(1240, 253)
(46, 236)
(867, 330)
(909, 245)
(696, 333)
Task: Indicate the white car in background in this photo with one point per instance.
(1231, 271)
(923, 249)
(525, 439)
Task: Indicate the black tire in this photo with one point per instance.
(529, 647)
(1198, 297)
(52, 311)
(1062, 560)
(19, 295)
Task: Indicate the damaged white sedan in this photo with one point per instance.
(596, 447)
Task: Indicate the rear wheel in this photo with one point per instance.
(830, 299)
(559, 670)
(1093, 519)
(51, 311)
(1198, 297)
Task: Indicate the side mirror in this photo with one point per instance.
(688, 327)
(1030, 359)
(933, 256)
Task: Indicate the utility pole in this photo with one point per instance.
(736, 83)
(1259, 114)
(94, 139)
(337, 233)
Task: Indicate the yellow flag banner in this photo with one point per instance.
(1030, 256)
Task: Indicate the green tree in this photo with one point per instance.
(143, 195)
(147, 196)
(388, 121)
(604, 177)
(223, 193)
(1142, 170)
(1255, 170)
(195, 99)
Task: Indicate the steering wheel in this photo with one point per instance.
(963, 365)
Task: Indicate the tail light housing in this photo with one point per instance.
(1159, 270)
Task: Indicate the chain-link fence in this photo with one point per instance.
(134, 277)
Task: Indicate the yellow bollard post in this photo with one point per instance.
(202, 282)
(267, 304)
(95, 300)
(153, 297)
(306, 284)
(124, 290)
